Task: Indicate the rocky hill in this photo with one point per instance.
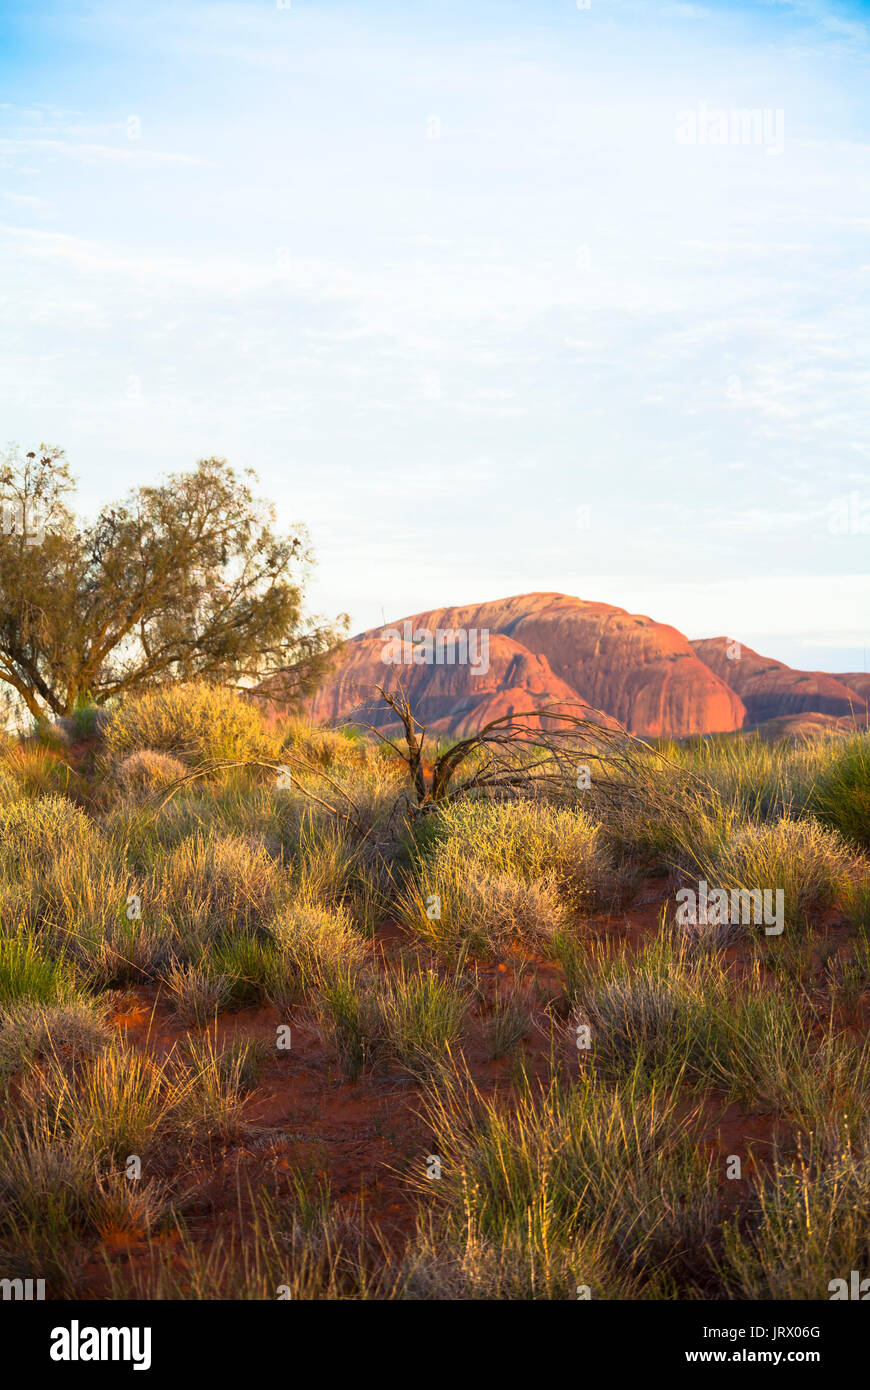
(770, 689)
(541, 649)
(463, 666)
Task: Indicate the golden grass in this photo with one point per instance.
(196, 723)
(244, 892)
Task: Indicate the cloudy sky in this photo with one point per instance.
(495, 296)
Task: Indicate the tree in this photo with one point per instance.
(188, 579)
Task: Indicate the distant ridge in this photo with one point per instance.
(549, 648)
(770, 689)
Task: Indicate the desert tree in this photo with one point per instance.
(186, 579)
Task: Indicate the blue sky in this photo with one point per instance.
(451, 279)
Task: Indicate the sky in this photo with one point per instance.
(495, 297)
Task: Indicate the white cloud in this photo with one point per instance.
(99, 154)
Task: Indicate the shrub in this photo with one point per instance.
(35, 832)
(197, 994)
(147, 770)
(808, 862)
(27, 1030)
(197, 723)
(86, 721)
(315, 944)
(207, 883)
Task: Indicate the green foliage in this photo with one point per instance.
(841, 797)
(184, 580)
(28, 972)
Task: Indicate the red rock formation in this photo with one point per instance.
(543, 649)
(856, 680)
(769, 688)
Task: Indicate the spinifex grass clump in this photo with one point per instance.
(579, 1166)
(669, 1014)
(807, 1228)
(841, 797)
(28, 770)
(410, 1017)
(335, 866)
(810, 864)
(197, 723)
(207, 882)
(212, 1089)
(508, 1023)
(664, 1013)
(196, 992)
(30, 1030)
(663, 809)
(491, 874)
(249, 964)
(55, 1195)
(755, 779)
(59, 874)
(422, 1017)
(117, 1102)
(36, 831)
(315, 944)
(147, 771)
(27, 971)
(682, 802)
(350, 1021)
(276, 1250)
